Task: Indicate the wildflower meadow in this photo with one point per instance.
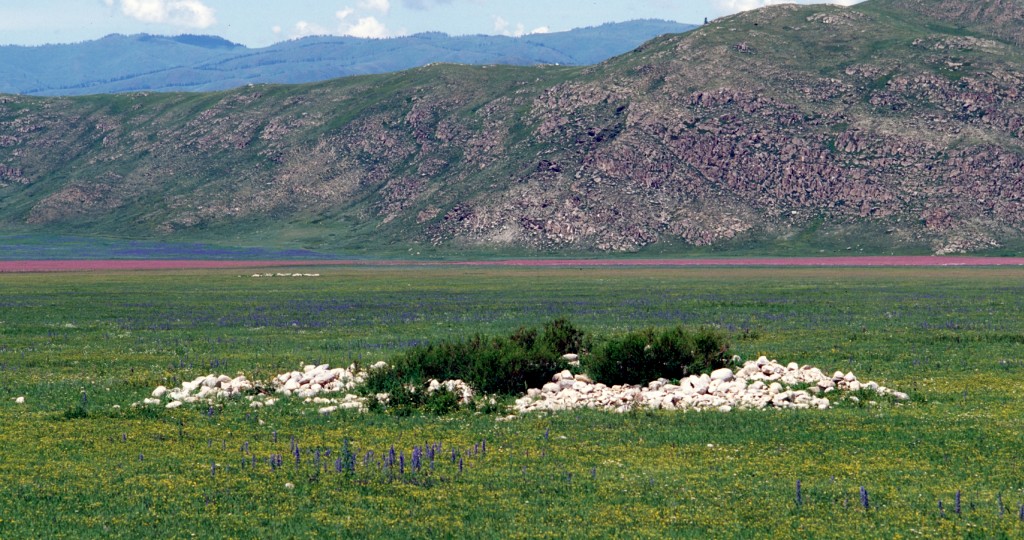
(78, 349)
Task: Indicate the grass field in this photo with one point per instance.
(77, 344)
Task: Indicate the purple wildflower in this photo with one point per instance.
(942, 511)
(460, 472)
(956, 502)
(864, 498)
(799, 494)
(401, 463)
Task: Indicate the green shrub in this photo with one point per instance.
(561, 337)
(645, 355)
(490, 364)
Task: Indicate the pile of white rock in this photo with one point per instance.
(311, 384)
(314, 380)
(757, 385)
(207, 388)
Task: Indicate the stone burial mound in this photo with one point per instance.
(757, 384)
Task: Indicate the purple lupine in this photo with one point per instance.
(942, 511)
(799, 494)
(213, 469)
(416, 458)
(1020, 514)
(254, 460)
(338, 466)
(275, 435)
(368, 458)
(401, 462)
(483, 446)
(547, 432)
(245, 447)
(453, 455)
(956, 502)
(460, 472)
(391, 454)
(864, 498)
(140, 456)
(124, 437)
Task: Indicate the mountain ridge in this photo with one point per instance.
(790, 129)
(142, 62)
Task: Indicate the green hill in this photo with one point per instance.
(890, 126)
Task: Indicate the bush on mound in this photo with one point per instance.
(490, 364)
(645, 355)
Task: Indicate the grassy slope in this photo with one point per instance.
(950, 337)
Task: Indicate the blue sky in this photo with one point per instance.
(259, 23)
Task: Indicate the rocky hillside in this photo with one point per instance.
(893, 125)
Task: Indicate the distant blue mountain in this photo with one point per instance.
(143, 62)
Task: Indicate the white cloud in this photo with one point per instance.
(192, 13)
(382, 6)
(504, 28)
(367, 27)
(348, 25)
(423, 4)
(306, 29)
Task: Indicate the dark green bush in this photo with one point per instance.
(403, 401)
(490, 364)
(561, 337)
(645, 355)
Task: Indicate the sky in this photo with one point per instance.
(258, 23)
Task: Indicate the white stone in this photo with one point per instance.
(723, 374)
(159, 391)
(173, 405)
(19, 400)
